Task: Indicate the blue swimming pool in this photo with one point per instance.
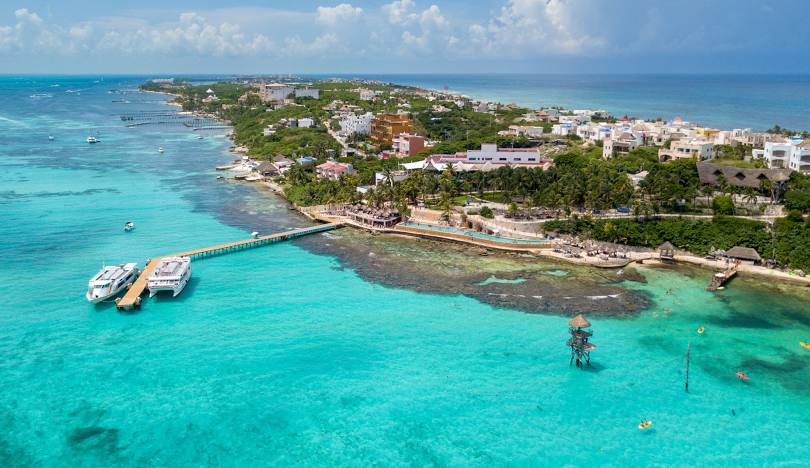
(470, 233)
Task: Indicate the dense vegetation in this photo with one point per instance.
(579, 180)
(788, 240)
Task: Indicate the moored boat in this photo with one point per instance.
(110, 280)
(91, 139)
(171, 274)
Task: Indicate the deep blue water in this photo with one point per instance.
(724, 101)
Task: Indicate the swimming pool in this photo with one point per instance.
(471, 233)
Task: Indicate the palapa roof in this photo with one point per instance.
(740, 177)
(265, 166)
(743, 253)
(666, 246)
(579, 322)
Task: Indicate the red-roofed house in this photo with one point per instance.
(333, 170)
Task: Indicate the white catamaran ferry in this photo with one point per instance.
(110, 280)
(171, 274)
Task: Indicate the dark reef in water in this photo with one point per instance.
(516, 281)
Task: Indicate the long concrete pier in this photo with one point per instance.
(132, 298)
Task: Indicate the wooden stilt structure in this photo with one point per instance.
(686, 381)
(580, 346)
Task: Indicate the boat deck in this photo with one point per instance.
(132, 298)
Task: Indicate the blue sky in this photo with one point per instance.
(404, 36)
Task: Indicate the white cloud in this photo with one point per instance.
(549, 26)
(400, 12)
(338, 13)
(432, 17)
(27, 16)
(295, 46)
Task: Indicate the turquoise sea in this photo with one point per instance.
(281, 357)
(724, 101)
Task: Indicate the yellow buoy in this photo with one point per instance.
(701, 329)
(805, 344)
(644, 425)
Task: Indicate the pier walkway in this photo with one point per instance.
(719, 279)
(132, 298)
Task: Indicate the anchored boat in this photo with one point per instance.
(110, 280)
(171, 274)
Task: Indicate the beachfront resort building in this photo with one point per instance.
(385, 126)
(793, 153)
(333, 170)
(488, 158)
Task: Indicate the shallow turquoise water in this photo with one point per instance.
(276, 356)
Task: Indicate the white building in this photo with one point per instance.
(274, 92)
(594, 131)
(367, 94)
(306, 122)
(488, 158)
(620, 143)
(522, 130)
(687, 149)
(563, 129)
(574, 119)
(351, 124)
(793, 154)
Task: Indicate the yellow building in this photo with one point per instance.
(385, 126)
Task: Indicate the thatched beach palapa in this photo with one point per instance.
(579, 322)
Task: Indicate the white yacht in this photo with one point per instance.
(160, 150)
(50, 138)
(128, 226)
(111, 280)
(171, 274)
(92, 139)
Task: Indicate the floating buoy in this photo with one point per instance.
(804, 344)
(742, 376)
(644, 425)
(700, 329)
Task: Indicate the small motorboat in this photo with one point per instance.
(742, 376)
(199, 137)
(254, 234)
(700, 330)
(128, 226)
(645, 425)
(804, 344)
(91, 139)
(51, 138)
(160, 149)
(219, 177)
